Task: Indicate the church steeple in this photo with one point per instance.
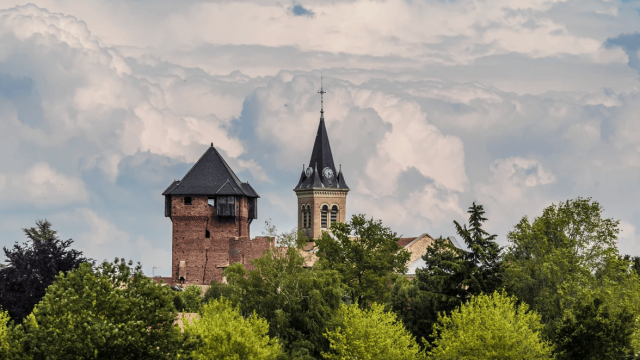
(321, 191)
(321, 157)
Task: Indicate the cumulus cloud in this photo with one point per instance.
(41, 186)
(430, 106)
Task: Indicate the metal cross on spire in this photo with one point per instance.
(321, 92)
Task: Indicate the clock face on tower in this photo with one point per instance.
(327, 172)
(309, 171)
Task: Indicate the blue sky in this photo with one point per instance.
(430, 105)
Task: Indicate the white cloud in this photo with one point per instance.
(41, 186)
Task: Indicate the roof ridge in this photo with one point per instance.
(233, 174)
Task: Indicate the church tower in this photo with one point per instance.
(321, 191)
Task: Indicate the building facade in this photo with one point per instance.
(211, 211)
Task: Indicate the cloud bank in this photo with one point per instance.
(431, 105)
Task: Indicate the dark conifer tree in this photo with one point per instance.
(32, 266)
(450, 277)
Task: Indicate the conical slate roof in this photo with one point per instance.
(321, 160)
(210, 175)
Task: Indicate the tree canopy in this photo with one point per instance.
(489, 327)
(111, 312)
(32, 267)
(299, 303)
(367, 256)
(370, 334)
(550, 262)
(450, 277)
(227, 335)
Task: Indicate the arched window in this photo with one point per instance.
(334, 214)
(323, 218)
(309, 222)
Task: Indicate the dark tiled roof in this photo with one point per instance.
(171, 187)
(405, 241)
(210, 175)
(249, 190)
(321, 158)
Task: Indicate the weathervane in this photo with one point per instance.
(321, 92)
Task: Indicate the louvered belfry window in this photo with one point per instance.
(334, 214)
(323, 216)
(303, 214)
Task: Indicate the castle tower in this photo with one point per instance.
(321, 191)
(211, 211)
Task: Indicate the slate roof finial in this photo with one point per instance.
(321, 92)
(211, 144)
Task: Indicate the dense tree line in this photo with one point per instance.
(558, 289)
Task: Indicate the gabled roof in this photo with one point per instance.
(210, 175)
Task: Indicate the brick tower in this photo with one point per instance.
(322, 195)
(211, 211)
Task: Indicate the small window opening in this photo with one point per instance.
(207, 234)
(211, 201)
(187, 200)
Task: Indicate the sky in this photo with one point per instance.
(430, 106)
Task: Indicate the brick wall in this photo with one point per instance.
(204, 258)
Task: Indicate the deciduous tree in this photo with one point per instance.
(299, 303)
(370, 334)
(595, 331)
(367, 256)
(227, 335)
(551, 261)
(489, 327)
(111, 312)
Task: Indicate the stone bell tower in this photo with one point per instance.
(321, 191)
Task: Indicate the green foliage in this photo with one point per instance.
(111, 312)
(298, 303)
(489, 327)
(593, 331)
(5, 344)
(226, 335)
(32, 267)
(189, 300)
(219, 291)
(551, 261)
(370, 334)
(41, 232)
(450, 276)
(368, 262)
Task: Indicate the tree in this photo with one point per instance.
(32, 267)
(450, 277)
(5, 344)
(189, 300)
(299, 303)
(111, 312)
(367, 256)
(227, 335)
(370, 334)
(489, 327)
(593, 331)
(551, 261)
